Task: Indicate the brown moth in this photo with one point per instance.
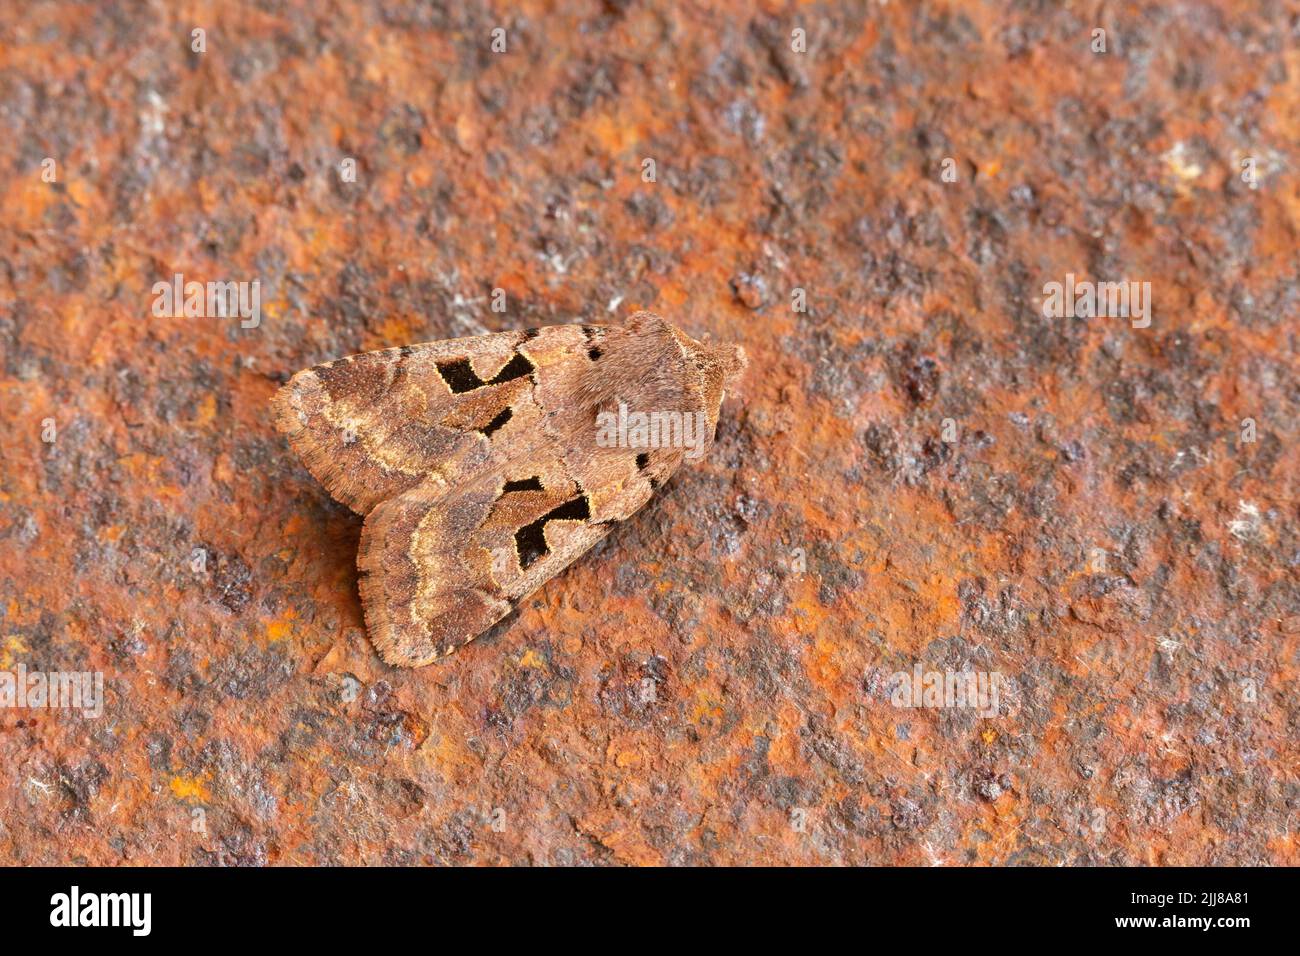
(485, 465)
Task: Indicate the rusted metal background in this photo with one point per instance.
(713, 685)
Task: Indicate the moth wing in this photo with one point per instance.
(438, 567)
(374, 425)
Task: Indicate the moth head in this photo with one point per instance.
(698, 374)
(732, 361)
(719, 369)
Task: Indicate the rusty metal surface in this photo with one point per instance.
(715, 683)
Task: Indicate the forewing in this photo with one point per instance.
(374, 425)
(438, 566)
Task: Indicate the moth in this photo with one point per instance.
(484, 466)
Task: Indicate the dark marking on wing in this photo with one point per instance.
(591, 333)
(523, 484)
(502, 417)
(642, 459)
(461, 377)
(517, 367)
(530, 540)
